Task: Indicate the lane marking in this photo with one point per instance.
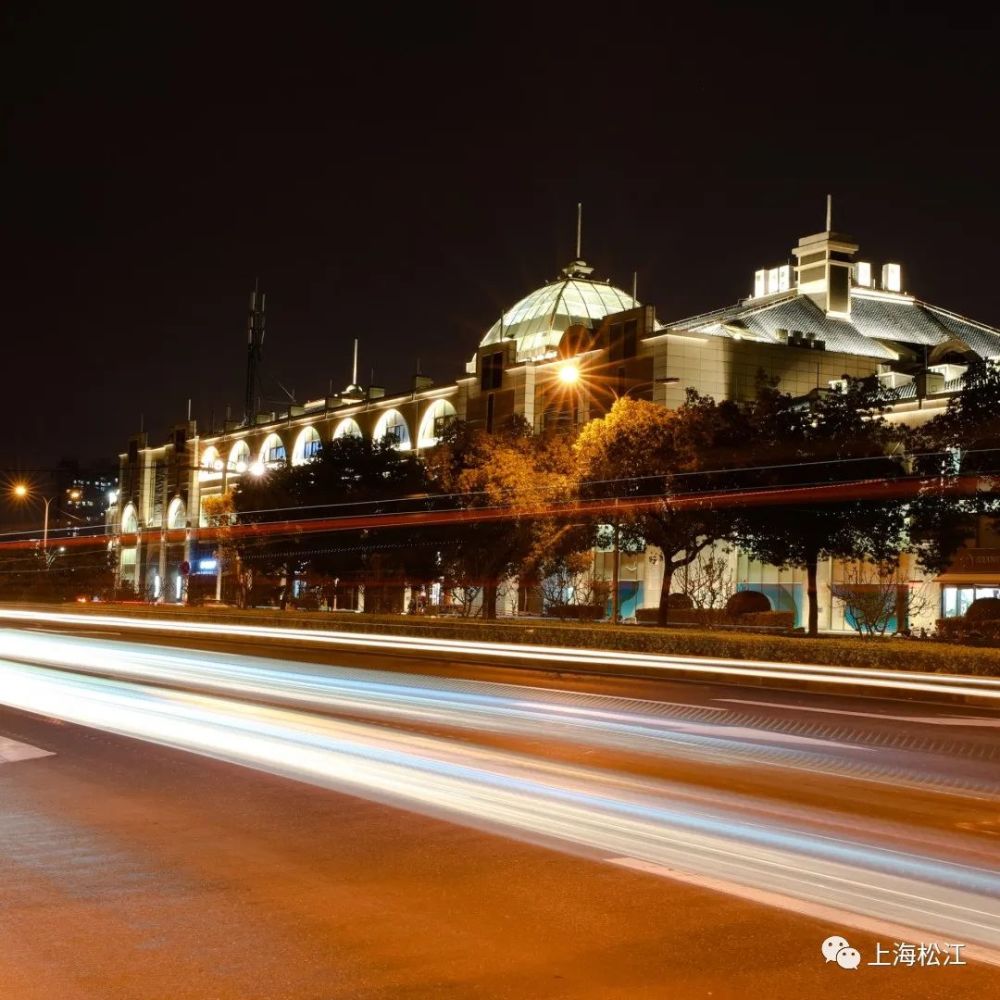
(12, 750)
(948, 720)
(817, 911)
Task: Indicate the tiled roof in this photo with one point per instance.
(874, 326)
(984, 340)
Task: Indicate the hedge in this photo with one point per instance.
(747, 602)
(983, 609)
(849, 651)
(969, 632)
(770, 619)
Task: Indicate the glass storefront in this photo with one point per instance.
(955, 601)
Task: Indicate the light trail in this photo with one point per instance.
(897, 683)
(875, 490)
(638, 822)
(705, 734)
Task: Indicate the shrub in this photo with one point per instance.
(679, 601)
(769, 619)
(576, 612)
(848, 651)
(984, 609)
(745, 602)
(985, 633)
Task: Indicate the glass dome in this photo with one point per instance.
(539, 320)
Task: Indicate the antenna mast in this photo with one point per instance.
(579, 228)
(354, 370)
(255, 341)
(829, 213)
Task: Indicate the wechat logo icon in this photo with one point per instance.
(836, 949)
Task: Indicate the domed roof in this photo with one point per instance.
(539, 320)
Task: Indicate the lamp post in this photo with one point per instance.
(23, 493)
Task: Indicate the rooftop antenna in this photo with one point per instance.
(255, 341)
(635, 288)
(579, 227)
(829, 213)
(189, 409)
(354, 370)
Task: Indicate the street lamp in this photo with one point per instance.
(569, 373)
(22, 492)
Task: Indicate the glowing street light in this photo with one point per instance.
(569, 373)
(22, 492)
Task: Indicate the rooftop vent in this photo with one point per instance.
(770, 280)
(892, 277)
(863, 274)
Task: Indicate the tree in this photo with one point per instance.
(640, 451)
(220, 513)
(873, 595)
(829, 438)
(957, 457)
(708, 581)
(511, 471)
(351, 477)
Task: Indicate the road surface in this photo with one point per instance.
(462, 829)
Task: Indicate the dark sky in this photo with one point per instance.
(400, 179)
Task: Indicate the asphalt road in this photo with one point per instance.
(136, 870)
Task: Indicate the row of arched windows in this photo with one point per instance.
(308, 444)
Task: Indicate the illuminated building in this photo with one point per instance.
(560, 356)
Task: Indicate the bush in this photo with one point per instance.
(848, 651)
(746, 602)
(769, 619)
(984, 633)
(680, 602)
(984, 609)
(576, 612)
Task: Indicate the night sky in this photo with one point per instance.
(401, 178)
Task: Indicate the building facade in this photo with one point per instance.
(812, 318)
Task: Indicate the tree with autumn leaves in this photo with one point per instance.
(789, 480)
(652, 464)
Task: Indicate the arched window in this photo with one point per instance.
(272, 451)
(392, 424)
(307, 446)
(437, 417)
(239, 458)
(211, 464)
(130, 522)
(176, 514)
(348, 427)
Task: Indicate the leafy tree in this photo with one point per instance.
(957, 457)
(511, 471)
(827, 439)
(641, 451)
(351, 477)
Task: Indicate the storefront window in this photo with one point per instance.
(955, 601)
